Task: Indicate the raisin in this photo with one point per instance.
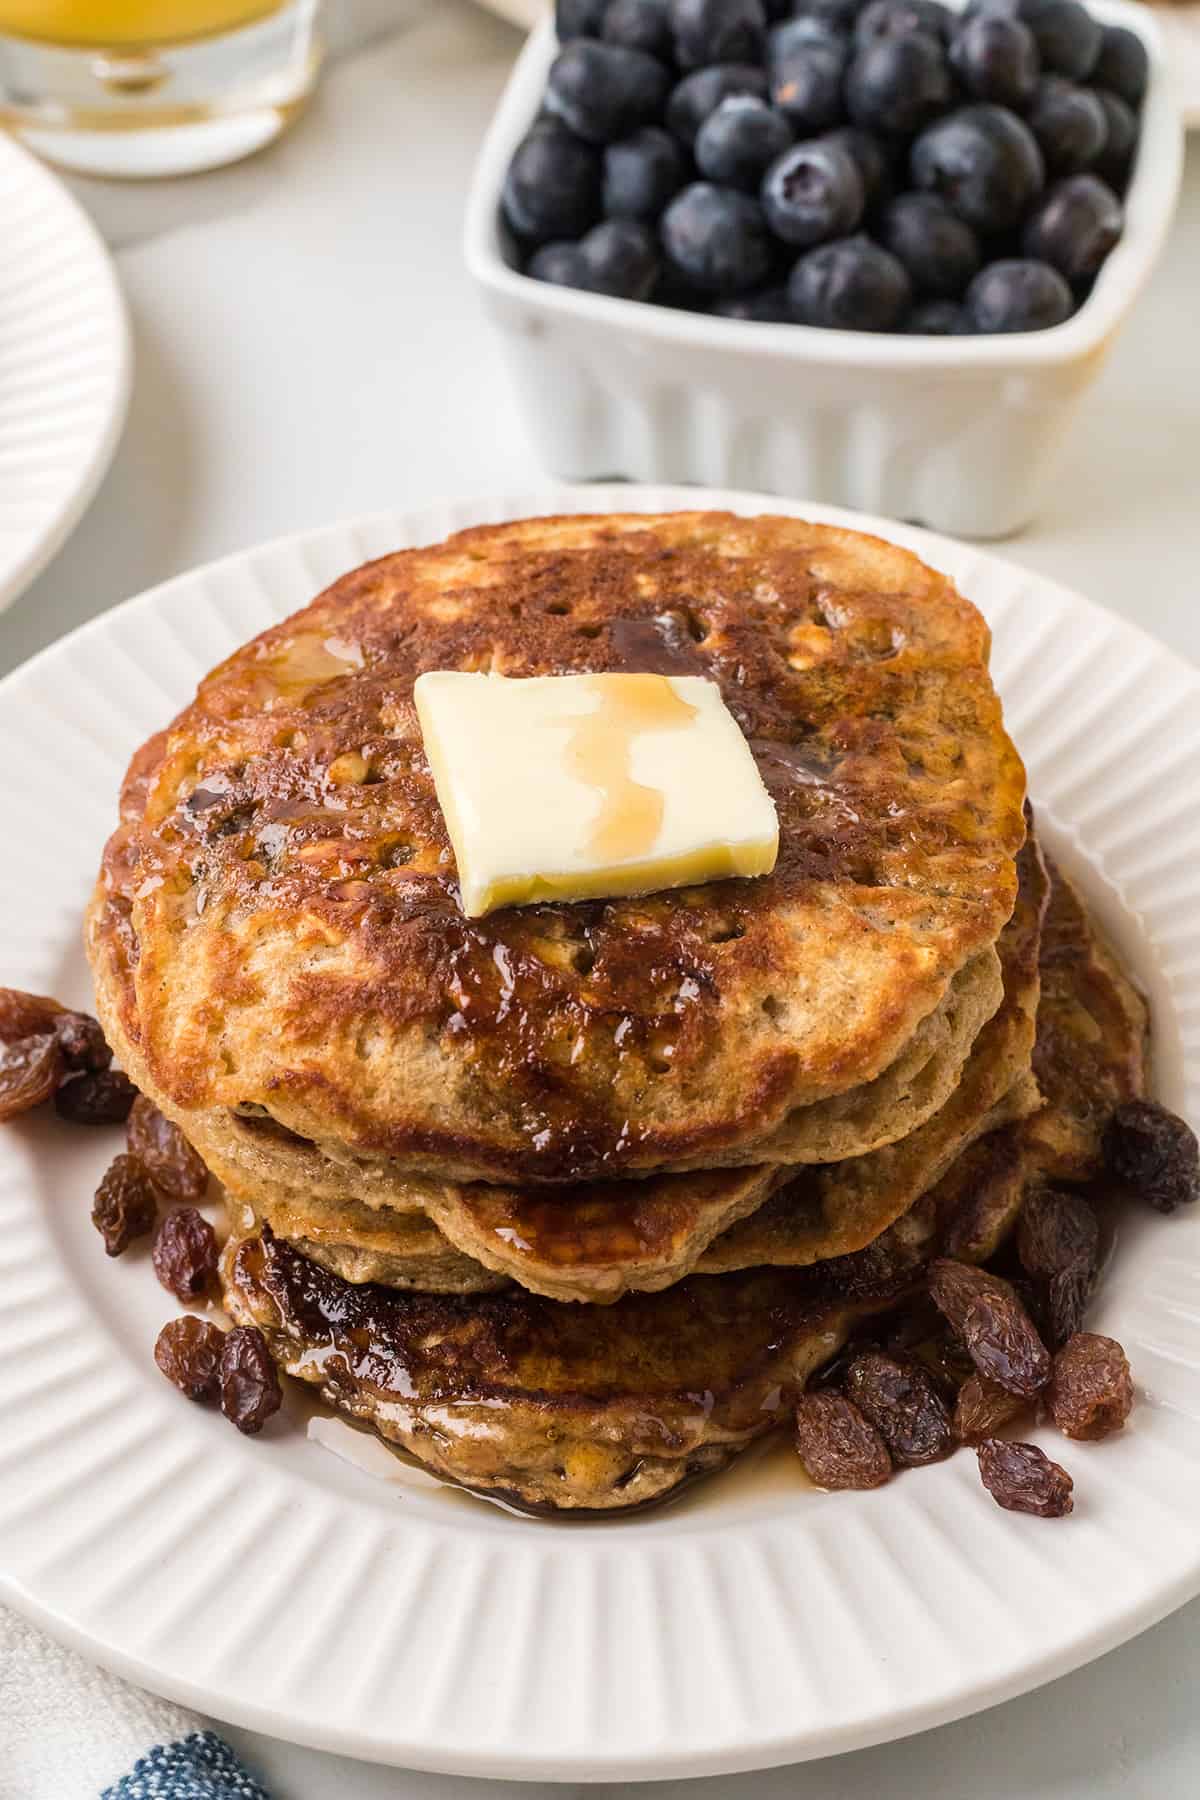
(26, 1015)
(185, 1253)
(837, 1446)
(1154, 1152)
(174, 1166)
(954, 1285)
(1091, 1391)
(1058, 1242)
(188, 1351)
(30, 1071)
(1021, 1478)
(83, 1042)
(943, 1357)
(100, 1099)
(125, 1206)
(903, 1405)
(250, 1390)
(982, 1407)
(1055, 1231)
(998, 1334)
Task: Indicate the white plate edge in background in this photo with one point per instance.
(65, 366)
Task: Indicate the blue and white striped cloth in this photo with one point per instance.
(70, 1732)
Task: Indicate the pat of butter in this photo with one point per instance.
(578, 787)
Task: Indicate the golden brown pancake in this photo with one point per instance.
(277, 922)
(599, 1240)
(605, 1408)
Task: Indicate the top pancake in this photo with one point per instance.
(277, 922)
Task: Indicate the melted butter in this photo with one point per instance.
(600, 752)
(583, 787)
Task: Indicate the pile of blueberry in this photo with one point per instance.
(888, 166)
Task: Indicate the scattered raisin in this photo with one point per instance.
(1054, 1231)
(100, 1099)
(997, 1332)
(250, 1390)
(837, 1446)
(1021, 1478)
(903, 1405)
(1091, 1390)
(1058, 1242)
(942, 1356)
(954, 1285)
(1154, 1152)
(83, 1042)
(125, 1206)
(185, 1253)
(26, 1015)
(188, 1352)
(982, 1407)
(30, 1071)
(174, 1166)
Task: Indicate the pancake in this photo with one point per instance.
(1092, 1053)
(600, 1240)
(601, 1409)
(277, 923)
(562, 1408)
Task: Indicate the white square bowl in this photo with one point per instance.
(956, 433)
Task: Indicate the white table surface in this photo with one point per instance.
(308, 347)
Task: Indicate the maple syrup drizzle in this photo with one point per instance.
(600, 752)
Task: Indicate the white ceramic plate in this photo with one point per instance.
(64, 366)
(756, 1623)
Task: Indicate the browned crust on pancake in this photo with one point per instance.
(277, 921)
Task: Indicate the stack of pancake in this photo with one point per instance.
(569, 1201)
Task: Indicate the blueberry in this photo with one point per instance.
(812, 193)
(715, 31)
(1120, 141)
(579, 18)
(897, 84)
(852, 285)
(552, 188)
(937, 318)
(560, 264)
(603, 91)
(736, 143)
(806, 84)
(797, 34)
(716, 238)
(900, 18)
(1069, 123)
(701, 92)
(838, 15)
(996, 58)
(763, 306)
(640, 25)
(939, 251)
(1122, 65)
(621, 258)
(984, 163)
(1017, 296)
(1075, 226)
(868, 153)
(641, 172)
(1067, 36)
